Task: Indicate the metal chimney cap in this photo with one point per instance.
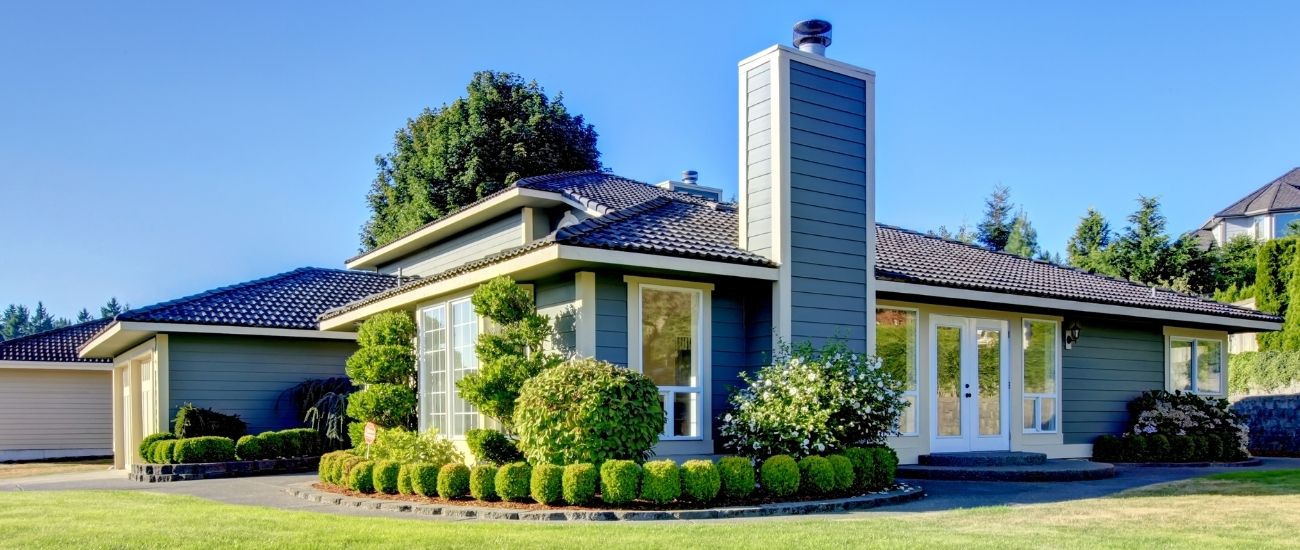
(690, 176)
(812, 35)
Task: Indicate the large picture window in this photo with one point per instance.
(1196, 365)
(448, 332)
(667, 346)
(896, 335)
(1042, 375)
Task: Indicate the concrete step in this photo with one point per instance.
(983, 459)
(1051, 470)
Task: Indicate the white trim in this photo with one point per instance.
(55, 365)
(653, 261)
(584, 337)
(819, 61)
(970, 438)
(1038, 397)
(702, 357)
(450, 393)
(1195, 338)
(121, 334)
(1003, 300)
(915, 393)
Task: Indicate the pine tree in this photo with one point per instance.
(40, 320)
(994, 230)
(111, 309)
(15, 321)
(1089, 247)
(1139, 254)
(83, 316)
(1023, 240)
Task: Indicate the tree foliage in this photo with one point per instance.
(384, 365)
(504, 129)
(1089, 246)
(995, 229)
(1023, 240)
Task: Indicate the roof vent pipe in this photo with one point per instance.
(812, 36)
(690, 177)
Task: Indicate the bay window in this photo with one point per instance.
(1042, 360)
(667, 343)
(448, 331)
(1196, 365)
(896, 337)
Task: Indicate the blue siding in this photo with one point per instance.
(1111, 364)
(742, 339)
(611, 318)
(758, 151)
(828, 208)
(554, 296)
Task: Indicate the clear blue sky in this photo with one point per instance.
(149, 151)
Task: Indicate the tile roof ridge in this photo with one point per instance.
(614, 216)
(126, 315)
(53, 331)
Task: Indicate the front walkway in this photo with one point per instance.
(942, 495)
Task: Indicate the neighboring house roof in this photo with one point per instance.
(643, 218)
(53, 346)
(1280, 194)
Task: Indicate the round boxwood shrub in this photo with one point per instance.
(198, 450)
(547, 483)
(404, 480)
(249, 447)
(588, 411)
(737, 475)
(816, 475)
(1181, 448)
(1213, 447)
(324, 466)
(163, 451)
(620, 481)
(146, 445)
(662, 482)
(384, 364)
(864, 466)
(844, 478)
(780, 476)
(1200, 447)
(493, 447)
(385, 476)
(391, 328)
(885, 462)
(453, 481)
(387, 405)
(361, 477)
(1107, 448)
(1135, 449)
(513, 481)
(1158, 448)
(700, 480)
(482, 482)
(273, 444)
(579, 484)
(424, 479)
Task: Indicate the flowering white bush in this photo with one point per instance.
(812, 402)
(1177, 413)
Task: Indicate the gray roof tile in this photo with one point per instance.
(54, 346)
(1280, 194)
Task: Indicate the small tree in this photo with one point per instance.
(1023, 240)
(995, 228)
(511, 354)
(385, 368)
(1089, 247)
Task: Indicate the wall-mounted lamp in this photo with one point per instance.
(1071, 335)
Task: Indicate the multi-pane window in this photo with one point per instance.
(448, 332)
(671, 321)
(896, 335)
(1196, 365)
(1042, 375)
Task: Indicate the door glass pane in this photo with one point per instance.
(1029, 422)
(1209, 366)
(684, 414)
(1180, 362)
(907, 422)
(1040, 357)
(990, 381)
(1048, 407)
(896, 344)
(948, 386)
(667, 336)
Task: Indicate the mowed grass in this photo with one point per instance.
(29, 469)
(1240, 510)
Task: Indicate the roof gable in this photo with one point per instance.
(1280, 194)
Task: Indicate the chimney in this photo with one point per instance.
(690, 177)
(807, 186)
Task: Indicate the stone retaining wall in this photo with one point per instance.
(1274, 423)
(160, 473)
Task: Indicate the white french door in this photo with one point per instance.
(968, 372)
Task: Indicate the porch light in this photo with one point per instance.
(1071, 335)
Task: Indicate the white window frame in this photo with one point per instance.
(915, 393)
(1038, 397)
(701, 357)
(453, 401)
(1195, 364)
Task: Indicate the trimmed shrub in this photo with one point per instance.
(816, 475)
(330, 466)
(1135, 449)
(345, 469)
(700, 480)
(391, 328)
(780, 476)
(198, 450)
(273, 444)
(1158, 448)
(193, 422)
(146, 445)
(547, 483)
(163, 451)
(864, 466)
(482, 482)
(588, 411)
(302, 441)
(1199, 447)
(513, 481)
(249, 447)
(388, 405)
(453, 481)
(361, 477)
(1181, 448)
(885, 461)
(385, 364)
(844, 477)
(1213, 447)
(405, 446)
(620, 481)
(385, 476)
(424, 479)
(1108, 448)
(737, 475)
(404, 480)
(492, 447)
(1177, 413)
(579, 484)
(662, 482)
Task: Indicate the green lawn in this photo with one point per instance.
(1247, 509)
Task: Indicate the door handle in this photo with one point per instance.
(968, 395)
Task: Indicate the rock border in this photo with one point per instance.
(1253, 461)
(900, 495)
(164, 473)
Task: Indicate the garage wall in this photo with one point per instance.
(48, 413)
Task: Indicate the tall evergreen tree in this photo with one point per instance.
(1023, 240)
(40, 320)
(503, 130)
(994, 230)
(963, 234)
(1088, 247)
(112, 309)
(1139, 254)
(1236, 262)
(84, 316)
(15, 321)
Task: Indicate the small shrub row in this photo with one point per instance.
(1162, 448)
(166, 448)
(282, 444)
(192, 422)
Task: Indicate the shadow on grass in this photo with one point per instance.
(1245, 483)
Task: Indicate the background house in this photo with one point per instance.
(1262, 215)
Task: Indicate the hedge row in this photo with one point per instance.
(165, 448)
(620, 482)
(1160, 448)
(282, 444)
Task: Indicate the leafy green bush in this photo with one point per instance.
(163, 450)
(1200, 447)
(885, 461)
(661, 482)
(816, 475)
(146, 445)
(391, 328)
(828, 399)
(301, 442)
(547, 483)
(737, 474)
(700, 480)
(844, 476)
(588, 411)
(385, 476)
(331, 465)
(1181, 448)
(513, 481)
(1170, 414)
(493, 447)
(620, 481)
(384, 365)
(341, 467)
(196, 450)
(361, 477)
(1273, 371)
(1213, 447)
(273, 444)
(780, 475)
(1108, 448)
(249, 447)
(194, 422)
(864, 466)
(404, 480)
(402, 445)
(1135, 449)
(579, 484)
(482, 482)
(453, 481)
(1159, 448)
(388, 405)
(424, 479)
